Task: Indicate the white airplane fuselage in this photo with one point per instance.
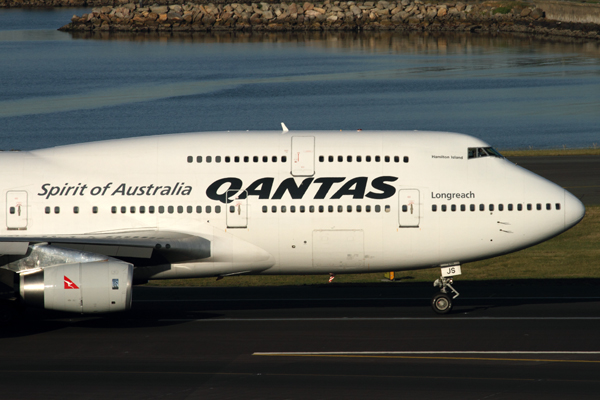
(298, 202)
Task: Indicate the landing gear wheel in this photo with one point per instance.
(441, 303)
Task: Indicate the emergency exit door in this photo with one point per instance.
(409, 210)
(303, 155)
(16, 210)
(237, 211)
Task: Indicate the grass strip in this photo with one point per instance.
(573, 254)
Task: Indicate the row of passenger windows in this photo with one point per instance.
(492, 207)
(321, 209)
(149, 209)
(246, 159)
(236, 159)
(360, 159)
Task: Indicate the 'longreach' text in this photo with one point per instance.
(450, 196)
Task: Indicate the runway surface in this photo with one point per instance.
(580, 175)
(504, 340)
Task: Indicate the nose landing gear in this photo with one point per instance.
(441, 302)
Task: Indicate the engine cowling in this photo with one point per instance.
(91, 287)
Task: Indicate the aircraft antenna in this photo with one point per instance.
(285, 128)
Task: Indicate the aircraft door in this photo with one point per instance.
(303, 156)
(16, 210)
(408, 208)
(237, 211)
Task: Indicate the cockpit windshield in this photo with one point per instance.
(477, 152)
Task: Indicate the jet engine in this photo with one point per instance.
(88, 287)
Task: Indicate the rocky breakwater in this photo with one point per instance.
(404, 15)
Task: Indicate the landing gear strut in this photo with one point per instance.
(441, 302)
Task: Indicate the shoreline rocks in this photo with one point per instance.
(402, 15)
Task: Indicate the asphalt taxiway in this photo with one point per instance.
(504, 340)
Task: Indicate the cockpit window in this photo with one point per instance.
(478, 152)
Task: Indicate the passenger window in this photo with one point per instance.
(443, 207)
(538, 206)
(47, 210)
(349, 158)
(330, 208)
(311, 209)
(519, 207)
(396, 159)
(491, 207)
(218, 209)
(500, 207)
(377, 158)
(510, 207)
(529, 207)
(76, 210)
(132, 209)
(463, 207)
(190, 209)
(246, 159)
(94, 210)
(405, 159)
(482, 207)
(340, 208)
(387, 158)
(433, 208)
(330, 158)
(227, 159)
(171, 209)
(142, 209)
(367, 208)
(123, 209)
(151, 209)
(113, 209)
(217, 159)
(180, 209)
(358, 208)
(190, 159)
(472, 207)
(302, 209)
(207, 209)
(548, 206)
(198, 209)
(453, 207)
(377, 208)
(368, 158)
(321, 209)
(321, 158)
(293, 209)
(265, 159)
(558, 206)
(236, 159)
(273, 209)
(283, 209)
(255, 158)
(274, 158)
(340, 158)
(358, 158)
(265, 209)
(405, 208)
(208, 159)
(199, 159)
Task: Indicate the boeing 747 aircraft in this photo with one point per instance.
(84, 222)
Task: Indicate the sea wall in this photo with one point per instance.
(571, 12)
(404, 15)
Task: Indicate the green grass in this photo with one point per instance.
(574, 254)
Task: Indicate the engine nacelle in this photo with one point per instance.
(92, 287)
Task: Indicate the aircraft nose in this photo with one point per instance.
(574, 210)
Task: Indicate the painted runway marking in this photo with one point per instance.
(359, 299)
(431, 355)
(440, 318)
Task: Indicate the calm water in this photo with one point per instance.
(514, 92)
